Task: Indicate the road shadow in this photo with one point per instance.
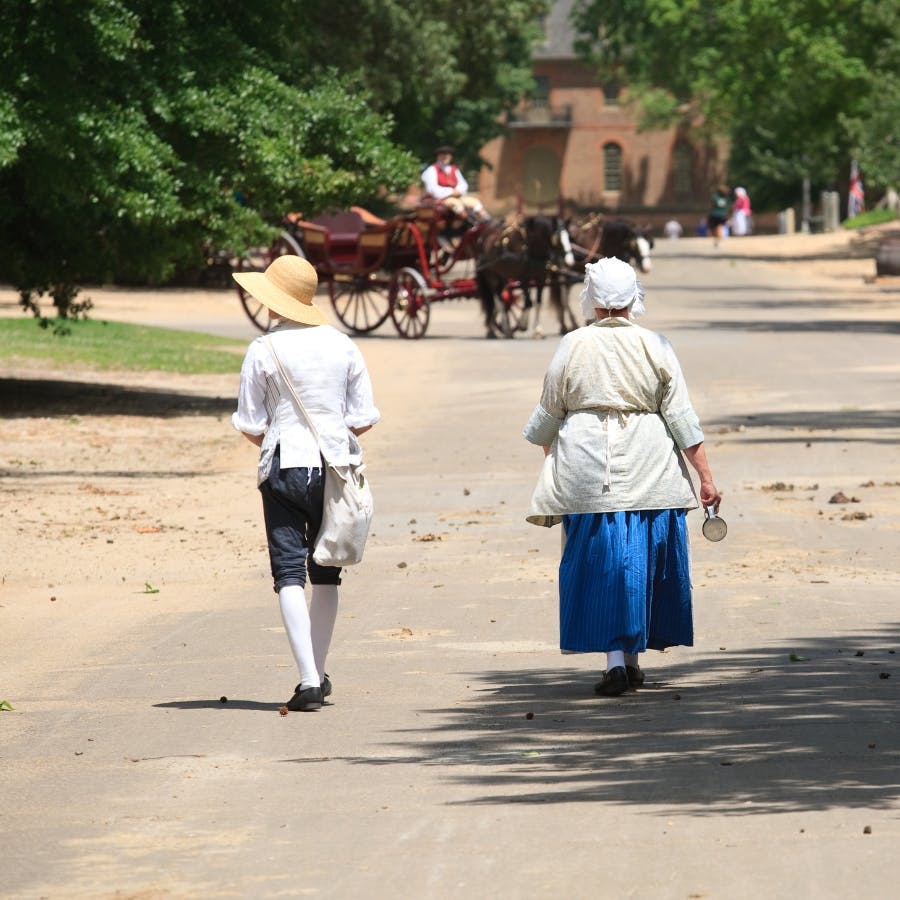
(806, 725)
(845, 326)
(229, 704)
(25, 398)
(812, 420)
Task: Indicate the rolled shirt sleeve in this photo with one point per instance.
(361, 410)
(676, 409)
(542, 428)
(550, 413)
(251, 416)
(685, 430)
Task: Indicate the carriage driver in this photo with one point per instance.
(444, 182)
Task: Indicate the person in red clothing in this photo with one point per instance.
(741, 212)
(445, 183)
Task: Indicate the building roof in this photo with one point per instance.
(559, 41)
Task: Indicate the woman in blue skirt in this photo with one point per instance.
(616, 423)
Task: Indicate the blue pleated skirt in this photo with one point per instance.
(625, 582)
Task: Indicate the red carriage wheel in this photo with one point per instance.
(410, 309)
(361, 302)
(511, 310)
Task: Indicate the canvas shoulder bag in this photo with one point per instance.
(348, 507)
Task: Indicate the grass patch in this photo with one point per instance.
(117, 346)
(872, 217)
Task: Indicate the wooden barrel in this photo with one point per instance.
(887, 261)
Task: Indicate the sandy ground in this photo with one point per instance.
(462, 755)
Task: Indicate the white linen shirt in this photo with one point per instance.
(614, 411)
(330, 376)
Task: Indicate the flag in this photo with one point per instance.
(856, 196)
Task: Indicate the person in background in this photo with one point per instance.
(856, 195)
(672, 229)
(445, 183)
(615, 422)
(719, 208)
(330, 377)
(741, 213)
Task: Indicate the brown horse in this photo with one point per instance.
(533, 253)
(597, 237)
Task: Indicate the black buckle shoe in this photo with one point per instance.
(305, 700)
(635, 676)
(613, 683)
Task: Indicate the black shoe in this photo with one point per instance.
(326, 686)
(613, 683)
(305, 700)
(635, 676)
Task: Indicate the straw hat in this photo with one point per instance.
(286, 288)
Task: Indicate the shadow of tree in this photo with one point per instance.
(846, 326)
(29, 397)
(813, 420)
(808, 725)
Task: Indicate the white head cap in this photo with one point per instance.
(611, 284)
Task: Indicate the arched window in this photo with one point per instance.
(612, 168)
(682, 169)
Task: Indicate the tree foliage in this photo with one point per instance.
(799, 86)
(135, 135)
(444, 70)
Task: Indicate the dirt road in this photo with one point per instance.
(462, 756)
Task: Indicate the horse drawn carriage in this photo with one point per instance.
(374, 269)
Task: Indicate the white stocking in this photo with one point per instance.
(614, 658)
(295, 616)
(322, 614)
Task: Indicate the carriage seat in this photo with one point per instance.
(344, 229)
(331, 239)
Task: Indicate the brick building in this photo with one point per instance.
(576, 142)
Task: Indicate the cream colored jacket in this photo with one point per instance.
(615, 413)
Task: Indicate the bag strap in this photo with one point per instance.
(290, 386)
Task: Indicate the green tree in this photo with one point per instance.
(137, 134)
(798, 86)
(445, 70)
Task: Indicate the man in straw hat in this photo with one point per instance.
(330, 377)
(614, 419)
